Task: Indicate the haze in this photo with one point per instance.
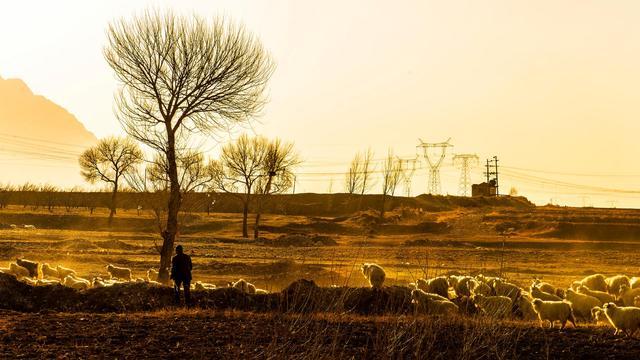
(547, 86)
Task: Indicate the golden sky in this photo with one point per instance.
(551, 87)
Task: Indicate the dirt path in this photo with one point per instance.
(197, 334)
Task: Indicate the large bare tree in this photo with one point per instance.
(110, 160)
(391, 175)
(353, 178)
(181, 75)
(238, 171)
(278, 163)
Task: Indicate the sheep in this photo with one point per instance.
(628, 295)
(614, 283)
(44, 282)
(63, 272)
(425, 294)
(553, 311)
(374, 273)
(35, 271)
(503, 288)
(261, 292)
(205, 286)
(460, 284)
(526, 308)
(539, 294)
(30, 227)
(625, 319)
(29, 281)
(76, 283)
(634, 282)
(598, 314)
(48, 271)
(438, 285)
(244, 286)
(582, 304)
(18, 270)
(494, 306)
(13, 226)
(97, 282)
(427, 304)
(119, 272)
(152, 275)
(480, 288)
(594, 282)
(544, 286)
(600, 295)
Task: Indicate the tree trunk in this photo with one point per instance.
(256, 225)
(382, 208)
(175, 198)
(112, 207)
(245, 216)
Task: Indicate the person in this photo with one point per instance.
(181, 275)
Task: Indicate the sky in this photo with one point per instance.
(550, 87)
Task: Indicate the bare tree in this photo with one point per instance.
(108, 161)
(278, 163)
(353, 178)
(179, 76)
(391, 175)
(239, 169)
(367, 171)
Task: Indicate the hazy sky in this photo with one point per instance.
(548, 86)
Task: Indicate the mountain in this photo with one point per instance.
(39, 140)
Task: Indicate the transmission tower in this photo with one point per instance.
(466, 162)
(407, 169)
(434, 163)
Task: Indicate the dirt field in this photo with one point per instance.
(557, 244)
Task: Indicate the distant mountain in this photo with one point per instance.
(22, 113)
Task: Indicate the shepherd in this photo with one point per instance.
(181, 275)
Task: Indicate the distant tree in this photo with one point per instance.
(238, 171)
(277, 176)
(391, 175)
(181, 75)
(353, 179)
(367, 171)
(108, 161)
(513, 191)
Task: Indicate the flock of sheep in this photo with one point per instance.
(37, 274)
(611, 300)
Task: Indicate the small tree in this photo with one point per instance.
(353, 180)
(181, 75)
(238, 170)
(108, 161)
(391, 175)
(278, 163)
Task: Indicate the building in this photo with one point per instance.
(484, 189)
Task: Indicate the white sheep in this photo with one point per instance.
(494, 306)
(553, 311)
(625, 319)
(49, 272)
(244, 286)
(615, 283)
(526, 308)
(503, 288)
(544, 286)
(628, 295)
(30, 227)
(593, 282)
(600, 295)
(76, 283)
(200, 286)
(152, 275)
(461, 284)
(424, 294)
(438, 285)
(539, 294)
(35, 271)
(598, 314)
(99, 283)
(425, 303)
(18, 270)
(119, 272)
(480, 288)
(374, 273)
(63, 272)
(634, 282)
(581, 303)
(261, 292)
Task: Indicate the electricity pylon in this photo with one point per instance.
(434, 164)
(407, 169)
(466, 162)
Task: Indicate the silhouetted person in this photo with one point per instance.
(181, 275)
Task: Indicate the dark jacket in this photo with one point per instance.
(181, 267)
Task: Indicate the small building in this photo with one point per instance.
(484, 189)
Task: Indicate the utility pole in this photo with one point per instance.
(434, 164)
(407, 169)
(466, 162)
(492, 169)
